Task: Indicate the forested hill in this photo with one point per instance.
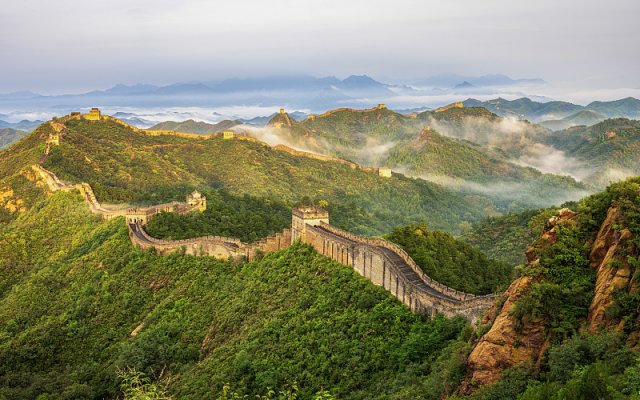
(124, 165)
(195, 126)
(456, 147)
(610, 150)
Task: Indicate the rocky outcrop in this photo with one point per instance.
(510, 342)
(609, 258)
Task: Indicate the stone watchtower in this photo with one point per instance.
(197, 199)
(303, 216)
(94, 115)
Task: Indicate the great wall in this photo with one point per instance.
(382, 262)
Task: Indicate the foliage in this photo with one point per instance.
(73, 290)
(450, 261)
(610, 147)
(192, 126)
(506, 237)
(136, 386)
(123, 165)
(244, 217)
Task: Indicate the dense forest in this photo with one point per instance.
(74, 291)
(244, 217)
(506, 237)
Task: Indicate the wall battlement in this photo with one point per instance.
(458, 104)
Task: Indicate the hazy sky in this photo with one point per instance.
(72, 45)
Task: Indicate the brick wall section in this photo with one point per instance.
(213, 246)
(387, 265)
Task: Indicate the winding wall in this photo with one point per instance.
(382, 262)
(387, 265)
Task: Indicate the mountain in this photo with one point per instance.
(623, 108)
(525, 108)
(506, 237)
(464, 85)
(120, 90)
(572, 312)
(126, 165)
(84, 314)
(9, 136)
(363, 85)
(584, 117)
(264, 120)
(414, 145)
(24, 125)
(287, 83)
(608, 150)
(195, 126)
(491, 80)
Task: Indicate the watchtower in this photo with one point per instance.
(228, 134)
(303, 216)
(384, 172)
(54, 139)
(282, 111)
(94, 114)
(197, 199)
(381, 106)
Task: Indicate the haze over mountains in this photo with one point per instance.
(254, 100)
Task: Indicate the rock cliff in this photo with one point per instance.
(610, 254)
(509, 342)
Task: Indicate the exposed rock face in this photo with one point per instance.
(609, 259)
(509, 342)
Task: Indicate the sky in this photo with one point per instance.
(68, 46)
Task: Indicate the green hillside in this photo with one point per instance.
(587, 357)
(438, 158)
(610, 149)
(362, 136)
(525, 108)
(192, 126)
(9, 136)
(628, 107)
(584, 117)
(452, 262)
(126, 166)
(506, 237)
(82, 311)
(415, 146)
(73, 290)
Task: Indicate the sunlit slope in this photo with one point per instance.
(125, 165)
(607, 151)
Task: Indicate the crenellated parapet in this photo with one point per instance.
(388, 265)
(213, 246)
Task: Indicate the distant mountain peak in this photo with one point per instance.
(464, 85)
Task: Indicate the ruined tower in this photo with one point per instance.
(303, 216)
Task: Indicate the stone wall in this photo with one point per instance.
(387, 265)
(213, 246)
